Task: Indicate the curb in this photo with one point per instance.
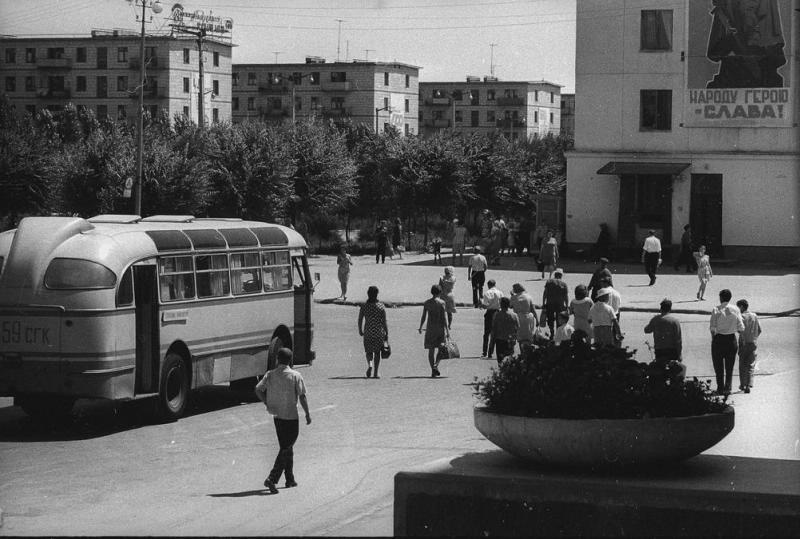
(400, 304)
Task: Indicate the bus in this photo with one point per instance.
(122, 307)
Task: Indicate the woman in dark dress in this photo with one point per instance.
(602, 247)
(372, 326)
(436, 332)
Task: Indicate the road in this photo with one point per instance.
(112, 472)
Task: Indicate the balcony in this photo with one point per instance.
(152, 63)
(158, 93)
(273, 88)
(344, 86)
(54, 63)
(61, 93)
(438, 101)
(510, 122)
(438, 123)
(335, 113)
(272, 112)
(510, 101)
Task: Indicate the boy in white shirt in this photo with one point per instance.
(564, 330)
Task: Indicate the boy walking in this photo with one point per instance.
(747, 345)
(280, 389)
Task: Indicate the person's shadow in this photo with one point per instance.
(243, 494)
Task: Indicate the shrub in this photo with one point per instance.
(577, 381)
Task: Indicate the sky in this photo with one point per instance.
(448, 39)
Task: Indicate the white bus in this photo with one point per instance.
(120, 307)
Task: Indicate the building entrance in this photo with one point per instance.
(706, 212)
(645, 202)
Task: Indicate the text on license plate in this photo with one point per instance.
(17, 332)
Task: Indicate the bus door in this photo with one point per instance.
(303, 327)
(147, 328)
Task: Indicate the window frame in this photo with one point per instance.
(648, 43)
(658, 98)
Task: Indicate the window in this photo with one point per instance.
(186, 111)
(187, 55)
(406, 129)
(102, 112)
(125, 290)
(656, 30)
(536, 116)
(73, 273)
(251, 79)
(245, 273)
(437, 93)
(552, 97)
(213, 279)
(490, 95)
(536, 95)
(510, 92)
(490, 117)
(11, 84)
(338, 76)
(80, 55)
(655, 112)
(385, 103)
(102, 87)
(337, 103)
(122, 54)
(11, 56)
(102, 57)
(276, 270)
(437, 115)
(298, 103)
(408, 106)
(30, 84)
(55, 53)
(386, 79)
(314, 103)
(215, 87)
(314, 78)
(459, 116)
(216, 59)
(150, 56)
(474, 97)
(235, 79)
(186, 85)
(122, 84)
(235, 103)
(408, 81)
(458, 95)
(122, 112)
(551, 117)
(475, 119)
(176, 278)
(251, 103)
(30, 56)
(80, 83)
(56, 83)
(274, 103)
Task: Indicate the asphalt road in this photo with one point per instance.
(111, 472)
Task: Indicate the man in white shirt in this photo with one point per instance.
(614, 300)
(459, 240)
(490, 302)
(476, 272)
(280, 390)
(651, 255)
(726, 322)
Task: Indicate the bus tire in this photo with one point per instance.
(45, 407)
(272, 357)
(173, 391)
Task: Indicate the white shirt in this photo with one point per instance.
(726, 319)
(478, 262)
(283, 386)
(614, 300)
(652, 245)
(601, 314)
(491, 298)
(563, 333)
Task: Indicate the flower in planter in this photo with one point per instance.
(577, 381)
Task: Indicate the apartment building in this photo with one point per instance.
(374, 94)
(101, 72)
(568, 115)
(516, 109)
(694, 120)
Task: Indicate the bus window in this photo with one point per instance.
(125, 291)
(245, 273)
(299, 273)
(277, 272)
(73, 273)
(2, 260)
(212, 276)
(176, 275)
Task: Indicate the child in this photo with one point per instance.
(564, 330)
(703, 270)
(747, 345)
(436, 245)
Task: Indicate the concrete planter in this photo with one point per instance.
(603, 442)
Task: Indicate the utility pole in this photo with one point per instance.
(339, 39)
(491, 61)
(202, 112)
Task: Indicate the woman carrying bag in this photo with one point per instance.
(372, 326)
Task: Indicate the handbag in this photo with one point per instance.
(386, 350)
(448, 350)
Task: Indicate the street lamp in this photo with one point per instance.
(155, 7)
(295, 78)
(377, 110)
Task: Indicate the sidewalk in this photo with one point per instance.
(770, 290)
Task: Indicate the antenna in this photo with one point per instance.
(339, 39)
(276, 53)
(491, 61)
(366, 52)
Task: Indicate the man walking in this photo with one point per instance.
(554, 300)
(726, 321)
(666, 330)
(491, 302)
(476, 272)
(600, 279)
(280, 390)
(748, 342)
(651, 255)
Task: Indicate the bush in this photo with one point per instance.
(577, 381)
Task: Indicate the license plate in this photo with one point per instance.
(28, 334)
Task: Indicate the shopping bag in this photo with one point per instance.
(386, 350)
(448, 350)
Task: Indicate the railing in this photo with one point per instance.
(49, 93)
(54, 63)
(510, 101)
(152, 62)
(438, 101)
(510, 122)
(343, 86)
(439, 123)
(335, 113)
(273, 88)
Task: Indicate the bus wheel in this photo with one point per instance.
(45, 407)
(272, 357)
(173, 392)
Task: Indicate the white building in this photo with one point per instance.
(679, 127)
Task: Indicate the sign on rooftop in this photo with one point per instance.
(200, 20)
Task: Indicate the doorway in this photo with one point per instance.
(147, 329)
(645, 203)
(705, 214)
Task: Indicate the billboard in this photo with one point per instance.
(398, 104)
(738, 64)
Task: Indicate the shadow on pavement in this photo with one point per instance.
(243, 494)
(98, 418)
